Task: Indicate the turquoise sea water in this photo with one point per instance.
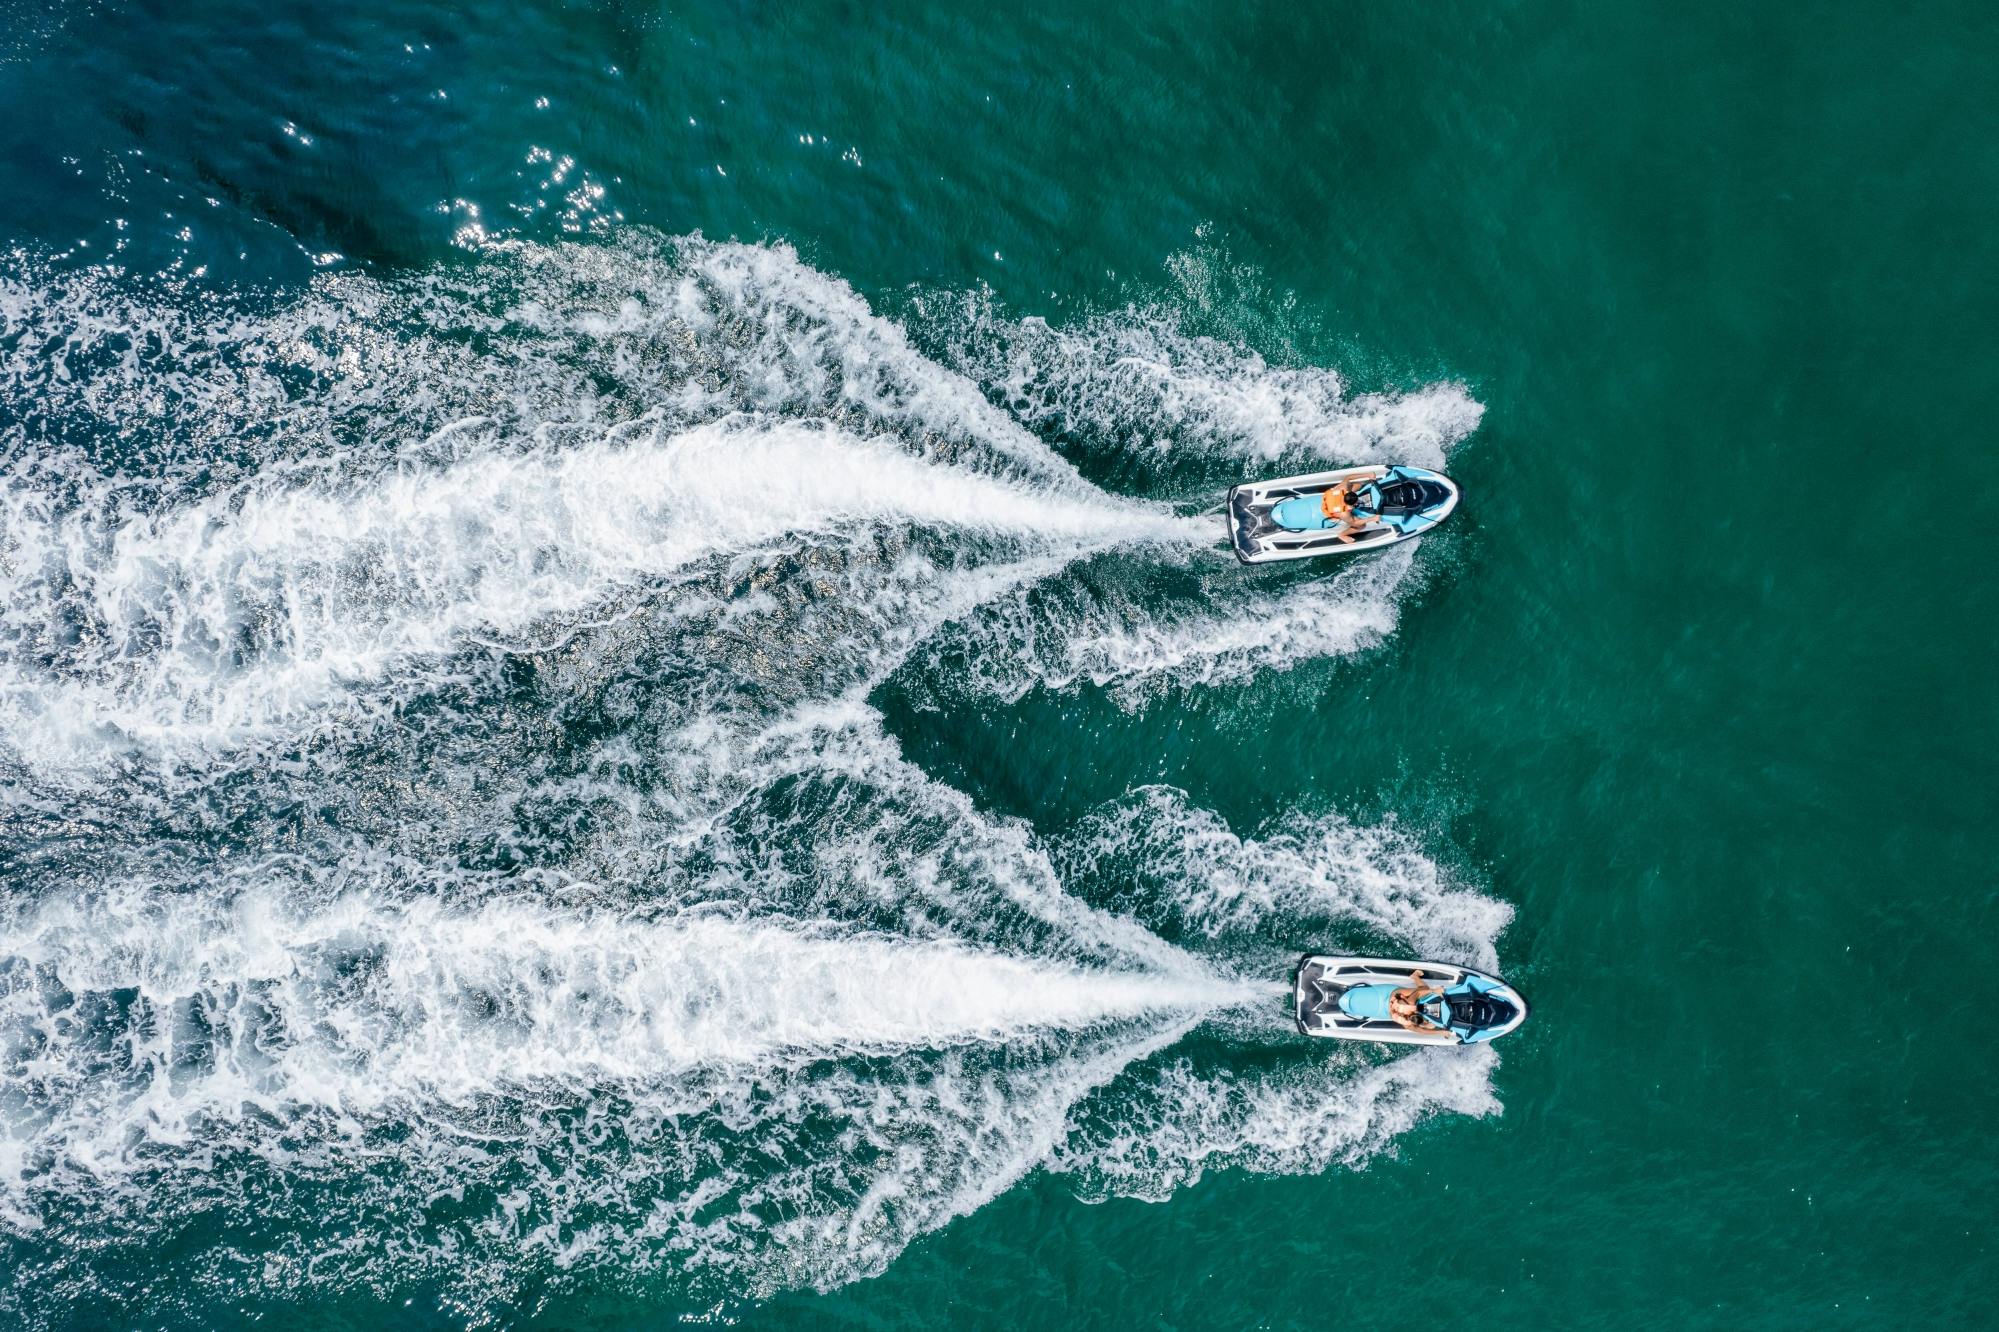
(619, 703)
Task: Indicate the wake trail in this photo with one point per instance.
(1135, 638)
(1185, 1120)
(238, 613)
(359, 1004)
(1173, 382)
(755, 1098)
(449, 805)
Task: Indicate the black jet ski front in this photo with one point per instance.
(1284, 519)
(1473, 1007)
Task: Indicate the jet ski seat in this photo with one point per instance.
(1304, 513)
(1367, 1002)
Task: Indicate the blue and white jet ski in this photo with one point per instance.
(1286, 519)
(1347, 998)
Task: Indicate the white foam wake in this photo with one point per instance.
(1182, 869)
(1134, 638)
(249, 608)
(818, 815)
(1177, 1123)
(579, 564)
(1143, 380)
(756, 1099)
(535, 338)
(250, 1002)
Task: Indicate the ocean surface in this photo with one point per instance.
(621, 704)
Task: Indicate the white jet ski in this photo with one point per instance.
(1347, 998)
(1287, 519)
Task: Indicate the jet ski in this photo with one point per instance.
(1347, 998)
(1286, 520)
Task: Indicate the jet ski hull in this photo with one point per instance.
(1258, 538)
(1321, 979)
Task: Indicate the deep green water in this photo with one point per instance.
(1700, 683)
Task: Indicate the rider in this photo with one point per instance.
(1338, 504)
(1407, 1007)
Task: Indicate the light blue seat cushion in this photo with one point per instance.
(1302, 514)
(1367, 1001)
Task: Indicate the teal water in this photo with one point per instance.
(618, 704)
